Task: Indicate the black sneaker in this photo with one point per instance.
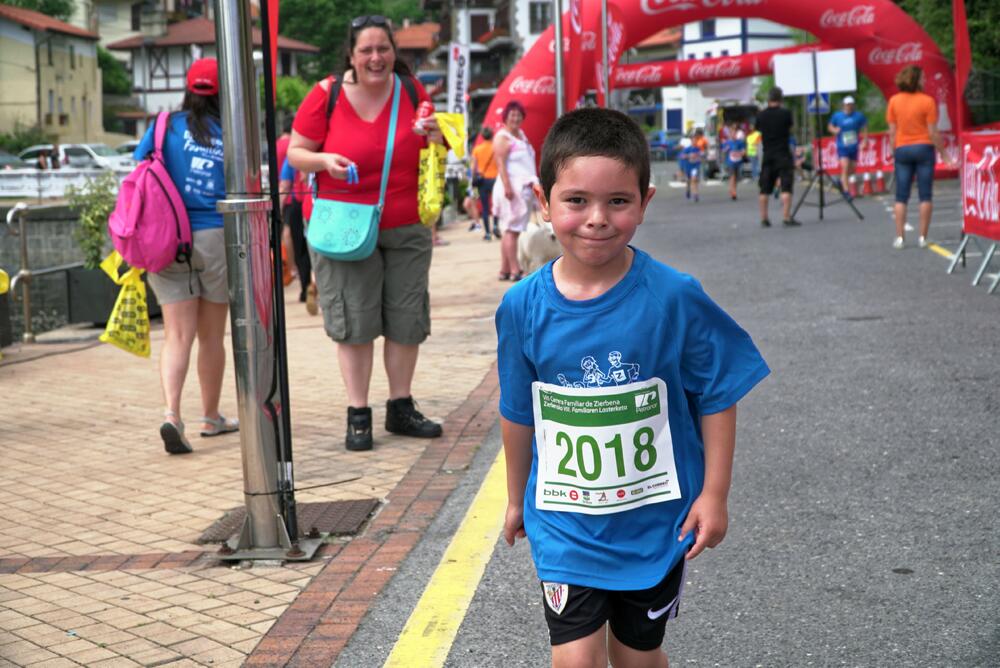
(402, 417)
(791, 222)
(765, 222)
(359, 429)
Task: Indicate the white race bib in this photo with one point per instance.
(849, 137)
(603, 450)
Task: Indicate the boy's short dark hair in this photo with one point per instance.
(775, 94)
(594, 131)
(486, 133)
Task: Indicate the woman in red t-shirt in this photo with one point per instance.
(385, 294)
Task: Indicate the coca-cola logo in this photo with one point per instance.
(908, 52)
(653, 7)
(980, 188)
(724, 69)
(588, 42)
(645, 75)
(575, 15)
(862, 15)
(540, 86)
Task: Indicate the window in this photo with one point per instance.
(708, 54)
(60, 105)
(708, 28)
(48, 46)
(107, 12)
(479, 25)
(539, 16)
(725, 52)
(286, 63)
(72, 105)
(691, 56)
(72, 57)
(137, 16)
(52, 100)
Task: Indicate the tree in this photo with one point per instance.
(114, 76)
(325, 23)
(60, 9)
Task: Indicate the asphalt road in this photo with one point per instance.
(863, 511)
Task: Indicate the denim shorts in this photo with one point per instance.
(914, 159)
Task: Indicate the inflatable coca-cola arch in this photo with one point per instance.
(884, 37)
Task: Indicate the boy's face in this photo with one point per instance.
(594, 208)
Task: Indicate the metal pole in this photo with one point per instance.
(245, 213)
(605, 65)
(557, 4)
(819, 130)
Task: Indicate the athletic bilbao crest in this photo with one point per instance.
(555, 596)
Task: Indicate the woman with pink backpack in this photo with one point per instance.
(194, 293)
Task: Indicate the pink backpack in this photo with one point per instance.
(149, 226)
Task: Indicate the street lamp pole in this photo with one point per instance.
(605, 66)
(558, 44)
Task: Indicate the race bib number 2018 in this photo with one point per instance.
(603, 450)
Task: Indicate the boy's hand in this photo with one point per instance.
(513, 523)
(709, 519)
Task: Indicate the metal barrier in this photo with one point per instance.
(25, 273)
(47, 183)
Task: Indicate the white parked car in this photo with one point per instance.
(100, 156)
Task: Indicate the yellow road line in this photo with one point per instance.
(430, 631)
(943, 252)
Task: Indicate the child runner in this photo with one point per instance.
(734, 148)
(615, 485)
(691, 164)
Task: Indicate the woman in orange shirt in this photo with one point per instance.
(912, 119)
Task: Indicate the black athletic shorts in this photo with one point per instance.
(772, 170)
(638, 618)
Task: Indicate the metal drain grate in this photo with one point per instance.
(337, 518)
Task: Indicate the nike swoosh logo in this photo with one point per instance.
(656, 614)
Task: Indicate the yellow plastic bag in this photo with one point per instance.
(430, 183)
(453, 128)
(128, 325)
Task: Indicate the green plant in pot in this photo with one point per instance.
(94, 201)
(90, 292)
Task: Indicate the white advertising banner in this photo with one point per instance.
(458, 77)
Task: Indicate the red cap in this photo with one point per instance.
(203, 77)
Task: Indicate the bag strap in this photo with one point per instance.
(335, 85)
(159, 132)
(389, 143)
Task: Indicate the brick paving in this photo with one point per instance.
(98, 561)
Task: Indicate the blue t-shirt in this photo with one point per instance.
(692, 154)
(287, 171)
(850, 127)
(734, 149)
(655, 323)
(197, 171)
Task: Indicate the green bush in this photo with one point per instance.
(94, 201)
(114, 76)
(22, 137)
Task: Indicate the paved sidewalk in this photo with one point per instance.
(98, 560)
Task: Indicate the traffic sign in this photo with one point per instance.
(820, 106)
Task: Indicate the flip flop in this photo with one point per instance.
(220, 425)
(173, 437)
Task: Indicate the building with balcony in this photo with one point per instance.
(50, 76)
(159, 64)
(714, 38)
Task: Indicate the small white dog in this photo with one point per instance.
(537, 245)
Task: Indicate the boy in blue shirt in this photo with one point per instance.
(851, 129)
(690, 160)
(734, 149)
(617, 484)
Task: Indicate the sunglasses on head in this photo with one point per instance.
(373, 20)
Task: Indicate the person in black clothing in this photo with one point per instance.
(775, 126)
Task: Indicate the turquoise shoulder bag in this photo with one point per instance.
(347, 231)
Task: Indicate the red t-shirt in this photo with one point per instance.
(364, 143)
